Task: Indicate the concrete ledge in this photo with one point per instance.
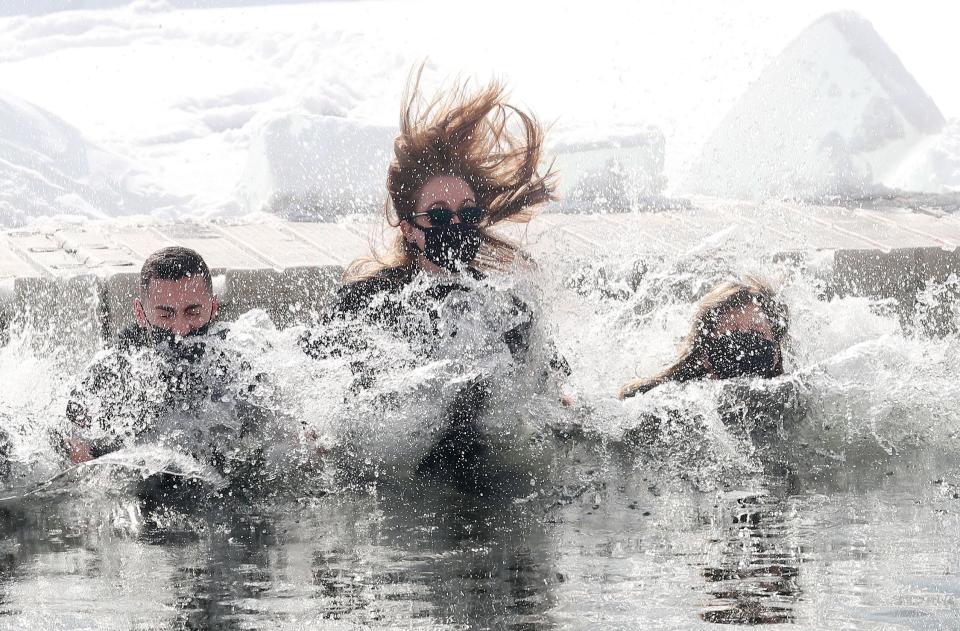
(69, 307)
(116, 299)
(902, 275)
(292, 269)
(288, 296)
(938, 314)
(876, 272)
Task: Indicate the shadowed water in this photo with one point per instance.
(622, 555)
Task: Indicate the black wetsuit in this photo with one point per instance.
(108, 392)
(357, 299)
(5, 449)
(130, 387)
(459, 454)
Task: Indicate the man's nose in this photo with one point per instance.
(181, 326)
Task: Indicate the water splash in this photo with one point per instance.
(866, 388)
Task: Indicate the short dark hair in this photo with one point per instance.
(174, 263)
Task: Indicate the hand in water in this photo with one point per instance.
(79, 450)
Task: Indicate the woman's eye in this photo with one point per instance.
(439, 216)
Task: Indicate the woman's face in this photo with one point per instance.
(440, 191)
(733, 349)
(747, 318)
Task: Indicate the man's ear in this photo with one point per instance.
(213, 309)
(139, 313)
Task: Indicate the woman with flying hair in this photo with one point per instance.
(738, 331)
(464, 162)
(458, 170)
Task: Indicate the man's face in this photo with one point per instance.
(179, 306)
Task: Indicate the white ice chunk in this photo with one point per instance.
(835, 113)
(934, 165)
(614, 169)
(317, 167)
(48, 168)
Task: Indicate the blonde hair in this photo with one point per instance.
(718, 302)
(465, 134)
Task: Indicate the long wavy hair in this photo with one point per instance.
(719, 301)
(477, 136)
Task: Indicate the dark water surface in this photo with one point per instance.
(880, 551)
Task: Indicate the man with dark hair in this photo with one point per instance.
(175, 302)
(171, 379)
(176, 295)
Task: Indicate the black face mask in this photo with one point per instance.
(180, 347)
(742, 354)
(451, 247)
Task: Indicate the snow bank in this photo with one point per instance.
(303, 166)
(207, 101)
(38, 7)
(934, 165)
(618, 169)
(316, 167)
(835, 113)
(943, 162)
(48, 168)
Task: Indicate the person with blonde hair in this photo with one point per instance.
(465, 162)
(738, 331)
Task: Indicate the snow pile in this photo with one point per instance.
(309, 167)
(944, 161)
(316, 167)
(619, 169)
(235, 106)
(48, 168)
(836, 113)
(934, 166)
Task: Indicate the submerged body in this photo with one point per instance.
(189, 395)
(462, 445)
(463, 162)
(738, 331)
(172, 381)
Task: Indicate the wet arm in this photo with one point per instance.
(106, 384)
